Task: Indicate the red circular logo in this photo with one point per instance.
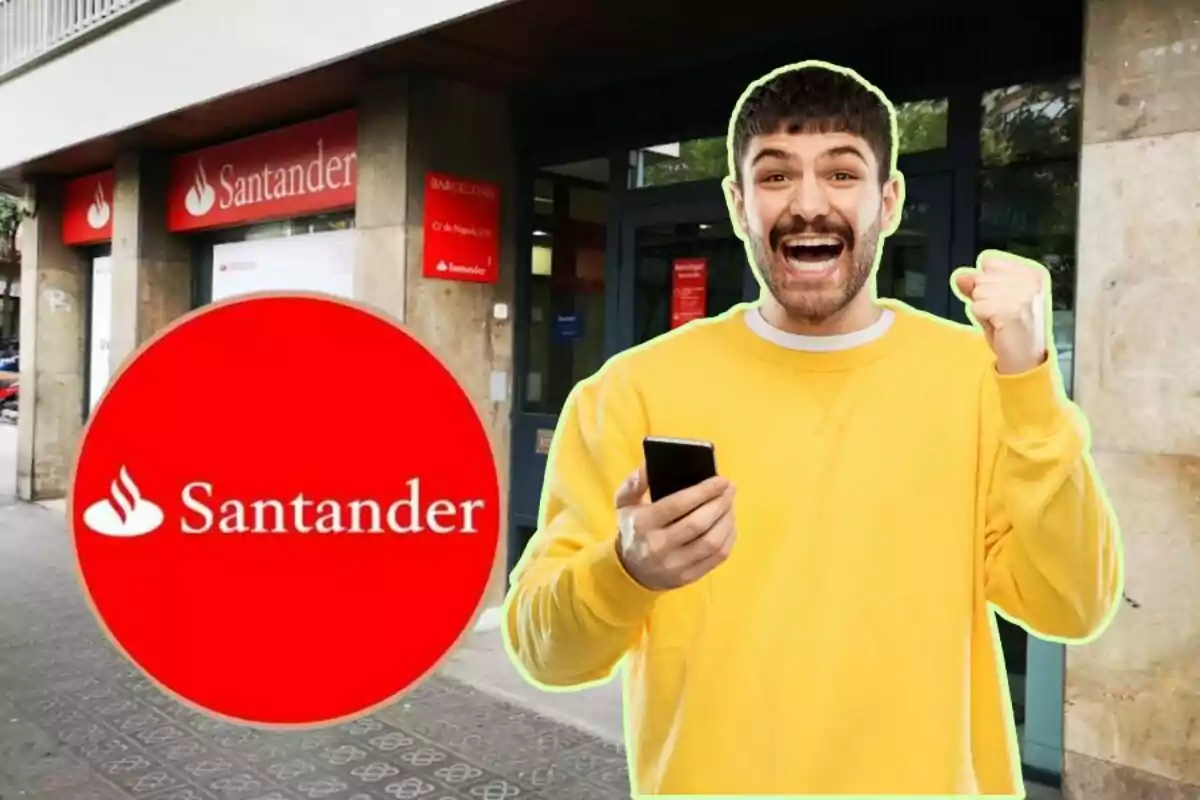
(285, 510)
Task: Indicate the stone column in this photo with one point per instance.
(53, 299)
(381, 205)
(1132, 726)
(151, 268)
(461, 130)
(410, 125)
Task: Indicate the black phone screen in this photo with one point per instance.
(673, 465)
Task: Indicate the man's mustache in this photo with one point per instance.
(822, 226)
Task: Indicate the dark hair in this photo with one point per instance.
(812, 98)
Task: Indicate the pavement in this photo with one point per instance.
(78, 722)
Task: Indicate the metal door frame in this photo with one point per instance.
(694, 209)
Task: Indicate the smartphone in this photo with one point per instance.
(673, 465)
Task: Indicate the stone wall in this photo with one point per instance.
(151, 268)
(53, 294)
(1132, 727)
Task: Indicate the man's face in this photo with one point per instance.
(813, 209)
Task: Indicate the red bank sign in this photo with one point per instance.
(88, 209)
(462, 229)
(303, 169)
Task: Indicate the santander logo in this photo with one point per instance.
(459, 269)
(200, 196)
(124, 513)
(100, 211)
(242, 184)
(292, 171)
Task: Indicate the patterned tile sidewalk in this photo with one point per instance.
(77, 723)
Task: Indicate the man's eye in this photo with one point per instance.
(774, 176)
(843, 176)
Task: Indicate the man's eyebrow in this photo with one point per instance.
(770, 152)
(833, 152)
(846, 150)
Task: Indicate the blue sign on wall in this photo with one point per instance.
(568, 327)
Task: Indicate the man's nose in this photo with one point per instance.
(808, 199)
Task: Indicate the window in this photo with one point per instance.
(1028, 192)
(921, 126)
(678, 162)
(318, 223)
(566, 326)
(1029, 188)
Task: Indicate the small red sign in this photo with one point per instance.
(689, 290)
(303, 169)
(88, 209)
(462, 229)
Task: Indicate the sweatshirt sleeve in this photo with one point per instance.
(1052, 550)
(573, 612)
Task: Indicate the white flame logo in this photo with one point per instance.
(200, 195)
(124, 513)
(99, 211)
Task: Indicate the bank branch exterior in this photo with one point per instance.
(534, 186)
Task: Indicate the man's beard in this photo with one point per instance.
(806, 303)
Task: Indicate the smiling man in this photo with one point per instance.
(896, 477)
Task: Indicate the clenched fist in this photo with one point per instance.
(1008, 296)
(678, 539)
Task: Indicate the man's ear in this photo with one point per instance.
(737, 206)
(893, 203)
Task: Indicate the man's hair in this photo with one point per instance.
(814, 99)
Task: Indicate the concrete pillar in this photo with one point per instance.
(53, 297)
(381, 205)
(1133, 696)
(465, 131)
(151, 268)
(409, 126)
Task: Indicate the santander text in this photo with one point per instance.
(305, 515)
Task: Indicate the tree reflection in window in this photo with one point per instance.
(921, 126)
(1029, 180)
(1030, 122)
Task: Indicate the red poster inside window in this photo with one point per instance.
(689, 290)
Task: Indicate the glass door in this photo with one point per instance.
(679, 262)
(915, 265)
(564, 302)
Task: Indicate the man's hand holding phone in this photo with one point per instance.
(677, 539)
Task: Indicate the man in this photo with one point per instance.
(891, 475)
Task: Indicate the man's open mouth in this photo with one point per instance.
(812, 253)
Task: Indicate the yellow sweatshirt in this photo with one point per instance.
(886, 494)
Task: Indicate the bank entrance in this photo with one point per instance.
(603, 280)
(990, 161)
(661, 236)
(621, 186)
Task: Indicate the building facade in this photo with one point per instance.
(289, 145)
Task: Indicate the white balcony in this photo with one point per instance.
(33, 30)
(78, 71)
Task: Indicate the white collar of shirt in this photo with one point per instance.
(841, 341)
